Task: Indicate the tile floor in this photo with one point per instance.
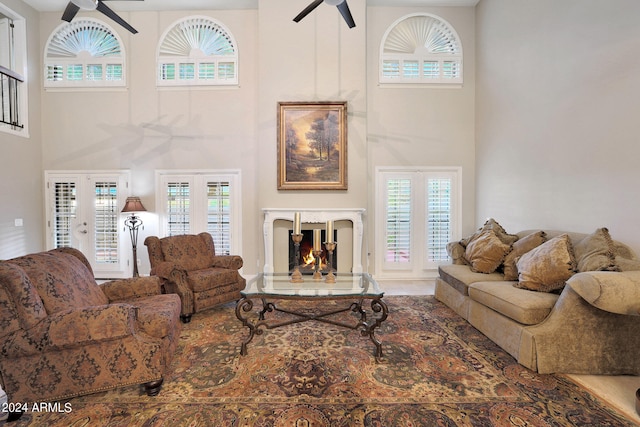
(618, 391)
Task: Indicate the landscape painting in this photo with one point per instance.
(312, 146)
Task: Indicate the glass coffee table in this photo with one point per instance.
(353, 289)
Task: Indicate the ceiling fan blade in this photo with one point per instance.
(70, 12)
(307, 10)
(346, 14)
(111, 14)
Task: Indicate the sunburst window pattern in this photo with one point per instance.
(84, 53)
(197, 51)
(421, 48)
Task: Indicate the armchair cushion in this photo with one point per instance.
(203, 280)
(20, 304)
(188, 252)
(51, 274)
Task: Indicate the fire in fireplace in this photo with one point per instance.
(307, 260)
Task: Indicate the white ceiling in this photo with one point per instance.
(59, 5)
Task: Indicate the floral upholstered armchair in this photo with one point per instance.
(189, 266)
(63, 335)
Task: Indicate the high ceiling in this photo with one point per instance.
(59, 5)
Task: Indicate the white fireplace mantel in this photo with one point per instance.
(313, 216)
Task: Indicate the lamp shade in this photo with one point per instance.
(133, 204)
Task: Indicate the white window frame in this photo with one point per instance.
(420, 266)
(83, 225)
(84, 60)
(197, 180)
(417, 61)
(195, 57)
(17, 61)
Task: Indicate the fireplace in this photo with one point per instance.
(348, 235)
(307, 262)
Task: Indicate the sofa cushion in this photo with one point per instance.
(547, 267)
(523, 306)
(62, 281)
(188, 251)
(519, 248)
(486, 252)
(460, 277)
(595, 252)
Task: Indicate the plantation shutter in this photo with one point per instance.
(178, 208)
(218, 215)
(106, 223)
(64, 212)
(398, 223)
(438, 218)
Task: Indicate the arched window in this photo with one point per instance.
(84, 53)
(423, 49)
(197, 51)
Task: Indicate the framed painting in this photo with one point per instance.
(312, 145)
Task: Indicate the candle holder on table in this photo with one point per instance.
(296, 276)
(331, 246)
(316, 256)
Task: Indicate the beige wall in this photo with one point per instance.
(21, 162)
(557, 105)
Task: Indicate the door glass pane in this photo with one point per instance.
(398, 224)
(65, 210)
(218, 216)
(106, 223)
(178, 213)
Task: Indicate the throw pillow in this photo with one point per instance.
(486, 252)
(547, 267)
(507, 238)
(520, 248)
(595, 252)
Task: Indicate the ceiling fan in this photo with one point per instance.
(342, 5)
(75, 5)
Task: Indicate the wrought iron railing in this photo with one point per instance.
(9, 97)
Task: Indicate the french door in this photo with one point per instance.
(417, 213)
(83, 211)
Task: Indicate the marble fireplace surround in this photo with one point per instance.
(278, 223)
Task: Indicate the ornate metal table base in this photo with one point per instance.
(366, 327)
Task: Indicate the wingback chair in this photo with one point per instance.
(63, 335)
(189, 266)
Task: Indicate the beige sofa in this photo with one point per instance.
(590, 324)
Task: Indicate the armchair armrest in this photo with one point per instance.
(232, 262)
(165, 269)
(72, 328)
(127, 289)
(615, 292)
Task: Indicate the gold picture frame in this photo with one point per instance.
(312, 145)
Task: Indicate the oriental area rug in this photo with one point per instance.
(436, 370)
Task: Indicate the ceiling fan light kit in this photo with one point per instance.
(74, 7)
(342, 6)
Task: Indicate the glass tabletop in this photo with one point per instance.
(280, 285)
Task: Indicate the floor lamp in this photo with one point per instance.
(133, 205)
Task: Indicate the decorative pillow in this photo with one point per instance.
(507, 238)
(595, 252)
(486, 253)
(455, 250)
(547, 267)
(520, 248)
(627, 264)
